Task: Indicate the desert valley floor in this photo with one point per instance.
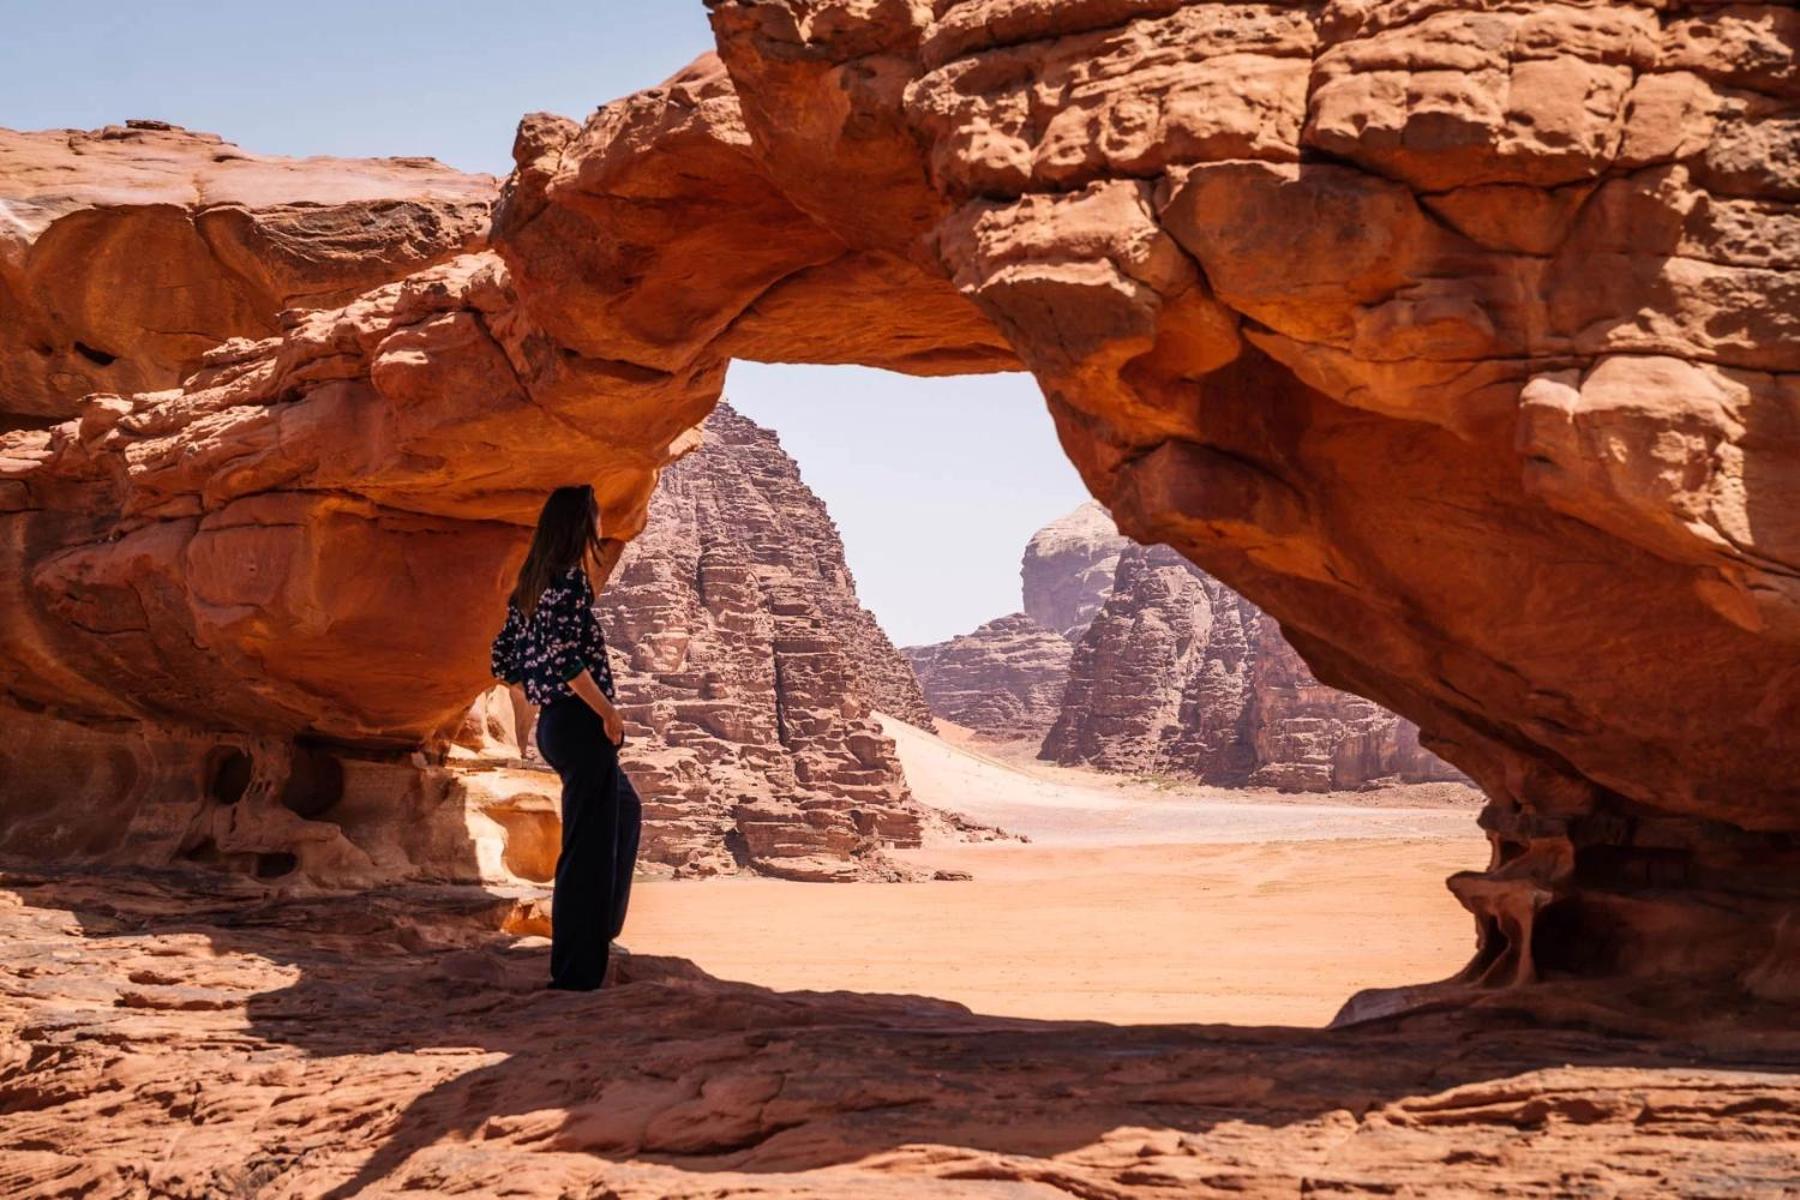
(1130, 903)
(1127, 1005)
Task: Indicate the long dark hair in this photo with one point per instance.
(568, 531)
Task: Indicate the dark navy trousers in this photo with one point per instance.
(602, 818)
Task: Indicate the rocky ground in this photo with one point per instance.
(172, 1036)
(195, 1035)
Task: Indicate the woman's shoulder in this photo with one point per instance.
(572, 582)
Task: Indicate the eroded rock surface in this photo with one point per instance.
(1459, 339)
(1004, 680)
(176, 1039)
(1164, 671)
(1068, 568)
(128, 252)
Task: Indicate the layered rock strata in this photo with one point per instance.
(1004, 680)
(1179, 675)
(126, 253)
(748, 674)
(816, 793)
(1458, 339)
(1163, 671)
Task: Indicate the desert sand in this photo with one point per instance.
(1132, 903)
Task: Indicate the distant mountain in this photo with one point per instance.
(1168, 671)
(748, 672)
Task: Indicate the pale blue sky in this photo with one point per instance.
(936, 484)
(449, 78)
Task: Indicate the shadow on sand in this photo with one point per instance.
(674, 1066)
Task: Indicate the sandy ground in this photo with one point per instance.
(173, 1035)
(1131, 904)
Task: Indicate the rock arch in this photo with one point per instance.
(1492, 404)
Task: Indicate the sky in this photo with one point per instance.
(935, 484)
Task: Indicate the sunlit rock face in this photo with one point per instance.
(1458, 339)
(1163, 671)
(128, 252)
(1004, 679)
(1068, 568)
(749, 674)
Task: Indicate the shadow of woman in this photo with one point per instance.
(673, 1067)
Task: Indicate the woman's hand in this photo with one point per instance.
(588, 690)
(615, 724)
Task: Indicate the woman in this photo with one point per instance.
(552, 644)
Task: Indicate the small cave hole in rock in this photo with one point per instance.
(315, 783)
(275, 864)
(1573, 938)
(205, 852)
(100, 358)
(228, 771)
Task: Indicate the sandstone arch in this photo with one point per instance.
(1488, 395)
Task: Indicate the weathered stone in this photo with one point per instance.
(748, 674)
(1004, 680)
(126, 253)
(1169, 673)
(1068, 569)
(1276, 341)
(1179, 675)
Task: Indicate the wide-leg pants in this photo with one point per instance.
(601, 822)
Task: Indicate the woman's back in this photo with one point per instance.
(545, 650)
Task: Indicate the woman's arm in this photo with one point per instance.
(503, 656)
(585, 687)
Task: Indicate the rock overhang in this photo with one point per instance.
(1444, 334)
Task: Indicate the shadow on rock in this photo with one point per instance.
(449, 1038)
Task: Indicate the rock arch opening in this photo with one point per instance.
(1502, 437)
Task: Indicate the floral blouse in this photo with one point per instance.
(551, 648)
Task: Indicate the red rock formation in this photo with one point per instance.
(1162, 682)
(1309, 737)
(128, 252)
(748, 672)
(1004, 680)
(1170, 673)
(1460, 340)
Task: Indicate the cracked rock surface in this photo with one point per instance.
(749, 674)
(128, 252)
